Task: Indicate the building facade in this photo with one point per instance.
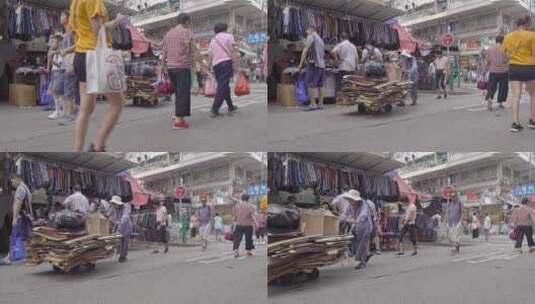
(480, 178)
(474, 23)
(222, 176)
(247, 19)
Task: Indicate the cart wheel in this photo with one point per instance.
(288, 279)
(136, 101)
(75, 269)
(155, 101)
(361, 108)
(56, 268)
(90, 266)
(388, 108)
(314, 275)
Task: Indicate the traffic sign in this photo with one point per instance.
(447, 39)
(448, 192)
(180, 192)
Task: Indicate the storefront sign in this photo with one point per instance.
(255, 38)
(524, 189)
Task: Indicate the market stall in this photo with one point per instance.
(363, 20)
(50, 178)
(303, 234)
(27, 25)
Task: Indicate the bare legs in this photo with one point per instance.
(87, 106)
(516, 92)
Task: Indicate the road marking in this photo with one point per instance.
(496, 254)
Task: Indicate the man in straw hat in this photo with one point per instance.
(359, 216)
(410, 69)
(121, 223)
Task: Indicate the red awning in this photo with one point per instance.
(140, 196)
(406, 191)
(406, 41)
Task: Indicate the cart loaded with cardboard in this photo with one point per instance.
(301, 242)
(68, 249)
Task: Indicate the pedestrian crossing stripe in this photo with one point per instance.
(500, 254)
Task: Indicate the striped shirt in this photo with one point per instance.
(177, 46)
(522, 216)
(244, 214)
(497, 60)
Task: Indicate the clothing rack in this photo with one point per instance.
(337, 12)
(31, 4)
(52, 163)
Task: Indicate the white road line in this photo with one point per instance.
(502, 256)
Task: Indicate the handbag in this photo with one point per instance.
(17, 251)
(121, 38)
(210, 86)
(105, 68)
(242, 86)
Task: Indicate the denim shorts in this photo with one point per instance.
(63, 84)
(314, 77)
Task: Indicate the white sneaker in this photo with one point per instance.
(54, 115)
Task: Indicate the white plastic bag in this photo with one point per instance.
(105, 68)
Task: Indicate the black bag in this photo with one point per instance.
(283, 217)
(121, 38)
(374, 68)
(69, 219)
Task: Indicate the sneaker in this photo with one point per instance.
(500, 105)
(236, 254)
(320, 107)
(53, 116)
(445, 96)
(69, 120)
(401, 253)
(250, 253)
(439, 97)
(180, 125)
(515, 127)
(309, 109)
(531, 124)
(214, 114)
(414, 253)
(156, 251)
(49, 108)
(232, 109)
(360, 266)
(413, 103)
(166, 250)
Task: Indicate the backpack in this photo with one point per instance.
(121, 38)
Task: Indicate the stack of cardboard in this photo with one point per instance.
(373, 93)
(68, 250)
(140, 87)
(305, 253)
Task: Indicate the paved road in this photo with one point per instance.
(183, 275)
(145, 128)
(484, 273)
(459, 124)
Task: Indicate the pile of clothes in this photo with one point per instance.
(372, 93)
(305, 254)
(67, 251)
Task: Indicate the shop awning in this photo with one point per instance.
(140, 196)
(114, 6)
(375, 163)
(109, 163)
(372, 9)
(407, 191)
(406, 41)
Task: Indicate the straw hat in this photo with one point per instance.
(353, 195)
(116, 200)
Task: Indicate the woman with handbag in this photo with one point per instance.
(519, 46)
(222, 56)
(179, 54)
(87, 19)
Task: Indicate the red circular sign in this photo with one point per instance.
(448, 192)
(447, 39)
(180, 191)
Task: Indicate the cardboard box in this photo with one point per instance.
(315, 222)
(96, 223)
(286, 95)
(22, 95)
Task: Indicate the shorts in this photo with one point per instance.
(521, 72)
(55, 80)
(441, 78)
(79, 67)
(314, 77)
(64, 85)
(162, 234)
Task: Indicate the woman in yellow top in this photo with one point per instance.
(86, 19)
(519, 46)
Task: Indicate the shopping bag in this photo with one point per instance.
(242, 87)
(165, 87)
(210, 86)
(301, 94)
(105, 68)
(482, 85)
(513, 234)
(16, 248)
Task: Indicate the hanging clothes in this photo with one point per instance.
(290, 22)
(26, 22)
